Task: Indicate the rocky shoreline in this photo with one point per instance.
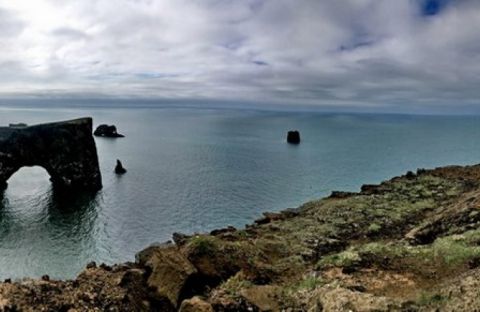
(408, 244)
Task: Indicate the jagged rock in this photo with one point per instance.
(228, 229)
(293, 137)
(369, 189)
(170, 273)
(18, 125)
(179, 238)
(107, 131)
(195, 304)
(65, 149)
(341, 194)
(119, 168)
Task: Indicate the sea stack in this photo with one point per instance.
(107, 132)
(293, 137)
(119, 168)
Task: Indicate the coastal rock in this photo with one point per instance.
(17, 125)
(170, 273)
(293, 137)
(264, 298)
(119, 168)
(341, 194)
(65, 149)
(108, 131)
(195, 305)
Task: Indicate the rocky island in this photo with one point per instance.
(66, 150)
(407, 244)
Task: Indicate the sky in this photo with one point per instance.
(416, 55)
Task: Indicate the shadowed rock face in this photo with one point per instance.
(65, 149)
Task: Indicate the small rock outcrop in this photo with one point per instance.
(65, 149)
(170, 272)
(293, 137)
(195, 304)
(107, 132)
(119, 168)
(18, 125)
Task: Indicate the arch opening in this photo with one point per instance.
(28, 181)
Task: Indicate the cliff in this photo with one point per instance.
(407, 244)
(65, 149)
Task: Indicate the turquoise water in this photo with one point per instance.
(194, 170)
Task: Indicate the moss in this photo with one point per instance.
(235, 284)
(343, 259)
(203, 245)
(429, 299)
(309, 283)
(374, 228)
(448, 252)
(454, 250)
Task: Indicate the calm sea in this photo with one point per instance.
(194, 170)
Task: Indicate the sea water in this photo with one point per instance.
(193, 170)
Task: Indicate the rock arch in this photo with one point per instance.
(65, 149)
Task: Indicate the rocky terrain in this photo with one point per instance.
(408, 244)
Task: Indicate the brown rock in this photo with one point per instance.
(170, 271)
(264, 298)
(195, 304)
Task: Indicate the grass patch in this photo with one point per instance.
(203, 245)
(444, 253)
(310, 283)
(343, 259)
(428, 299)
(235, 284)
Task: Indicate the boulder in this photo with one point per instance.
(263, 298)
(293, 137)
(119, 168)
(195, 304)
(107, 131)
(170, 272)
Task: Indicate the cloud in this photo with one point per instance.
(403, 55)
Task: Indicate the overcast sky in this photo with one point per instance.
(348, 53)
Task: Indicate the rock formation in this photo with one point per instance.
(18, 125)
(119, 168)
(65, 149)
(107, 131)
(293, 137)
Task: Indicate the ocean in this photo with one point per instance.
(193, 170)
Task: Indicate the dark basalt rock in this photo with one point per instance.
(119, 168)
(293, 137)
(107, 131)
(65, 149)
(18, 125)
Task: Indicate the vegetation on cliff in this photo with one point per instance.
(408, 244)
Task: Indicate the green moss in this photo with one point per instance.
(235, 284)
(428, 299)
(454, 250)
(203, 245)
(309, 283)
(374, 228)
(343, 259)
